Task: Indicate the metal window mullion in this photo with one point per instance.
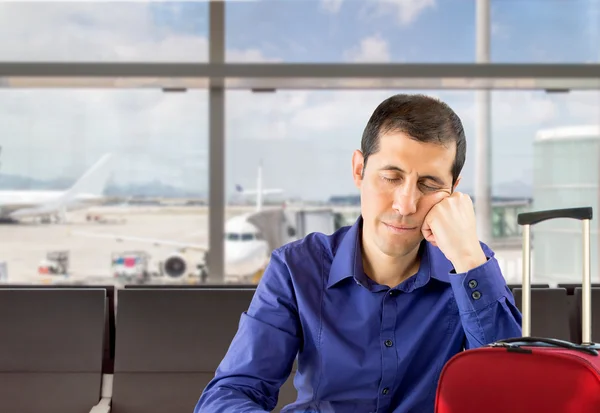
(216, 142)
(298, 70)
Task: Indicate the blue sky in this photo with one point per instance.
(538, 31)
(303, 137)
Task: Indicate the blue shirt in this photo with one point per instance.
(360, 346)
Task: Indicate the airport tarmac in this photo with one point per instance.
(24, 245)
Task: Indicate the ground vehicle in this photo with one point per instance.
(130, 266)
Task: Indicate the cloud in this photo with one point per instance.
(331, 6)
(372, 49)
(407, 11)
(92, 32)
(305, 137)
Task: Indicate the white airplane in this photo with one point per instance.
(247, 247)
(52, 204)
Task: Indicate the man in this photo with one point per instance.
(375, 310)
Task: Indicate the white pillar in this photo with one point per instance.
(483, 154)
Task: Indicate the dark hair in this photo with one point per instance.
(422, 118)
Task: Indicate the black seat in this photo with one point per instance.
(51, 349)
(108, 360)
(595, 313)
(513, 286)
(549, 312)
(191, 286)
(169, 344)
(570, 287)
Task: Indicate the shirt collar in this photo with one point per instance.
(347, 262)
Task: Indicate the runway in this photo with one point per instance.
(24, 245)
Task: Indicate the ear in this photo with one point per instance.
(456, 184)
(357, 167)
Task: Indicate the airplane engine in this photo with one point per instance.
(175, 266)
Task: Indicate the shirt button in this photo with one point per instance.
(389, 343)
(472, 283)
(385, 391)
(393, 293)
(476, 295)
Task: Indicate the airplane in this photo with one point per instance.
(49, 205)
(248, 243)
(259, 191)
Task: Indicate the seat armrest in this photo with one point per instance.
(103, 406)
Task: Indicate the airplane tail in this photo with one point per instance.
(259, 191)
(94, 180)
(92, 183)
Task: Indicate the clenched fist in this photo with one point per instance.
(450, 225)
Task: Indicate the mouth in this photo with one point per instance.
(399, 229)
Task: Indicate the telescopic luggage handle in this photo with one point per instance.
(527, 219)
(532, 218)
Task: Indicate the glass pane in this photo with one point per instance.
(63, 214)
(546, 148)
(303, 142)
(350, 31)
(143, 31)
(530, 31)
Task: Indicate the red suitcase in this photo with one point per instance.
(529, 374)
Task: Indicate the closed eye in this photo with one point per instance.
(391, 179)
(430, 188)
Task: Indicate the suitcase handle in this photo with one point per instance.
(517, 341)
(532, 218)
(527, 219)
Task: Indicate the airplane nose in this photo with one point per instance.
(235, 253)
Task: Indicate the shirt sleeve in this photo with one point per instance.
(262, 353)
(485, 303)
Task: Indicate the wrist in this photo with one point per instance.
(469, 260)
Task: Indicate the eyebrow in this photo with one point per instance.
(433, 178)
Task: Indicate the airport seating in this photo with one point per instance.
(166, 346)
(169, 342)
(571, 287)
(51, 349)
(513, 286)
(108, 359)
(574, 311)
(549, 312)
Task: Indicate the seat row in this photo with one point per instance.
(146, 349)
(556, 312)
(73, 350)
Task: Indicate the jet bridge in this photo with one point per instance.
(280, 226)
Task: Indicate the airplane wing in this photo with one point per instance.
(155, 242)
(263, 191)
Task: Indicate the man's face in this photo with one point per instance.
(398, 190)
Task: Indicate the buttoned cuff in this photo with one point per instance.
(478, 288)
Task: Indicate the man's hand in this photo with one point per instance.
(450, 225)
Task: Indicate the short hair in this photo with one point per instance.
(423, 118)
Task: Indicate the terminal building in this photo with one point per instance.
(561, 183)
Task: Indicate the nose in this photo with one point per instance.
(406, 198)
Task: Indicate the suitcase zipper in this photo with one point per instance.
(562, 351)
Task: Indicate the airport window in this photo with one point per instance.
(104, 32)
(532, 31)
(300, 138)
(232, 237)
(372, 29)
(135, 162)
